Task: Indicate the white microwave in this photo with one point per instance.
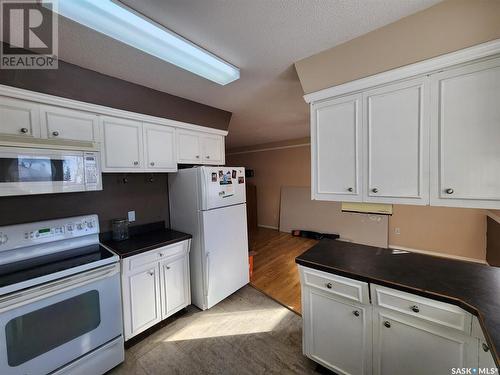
(25, 171)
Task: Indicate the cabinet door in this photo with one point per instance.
(465, 123)
(337, 334)
(336, 149)
(19, 117)
(159, 148)
(213, 149)
(396, 140)
(122, 142)
(175, 282)
(407, 346)
(188, 147)
(142, 300)
(62, 123)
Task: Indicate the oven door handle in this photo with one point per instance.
(17, 299)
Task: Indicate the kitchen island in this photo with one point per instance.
(457, 303)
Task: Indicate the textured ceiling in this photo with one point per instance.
(262, 37)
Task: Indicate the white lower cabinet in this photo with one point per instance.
(155, 285)
(396, 333)
(406, 345)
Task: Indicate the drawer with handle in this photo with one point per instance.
(433, 311)
(159, 254)
(351, 289)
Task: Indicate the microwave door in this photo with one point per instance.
(41, 171)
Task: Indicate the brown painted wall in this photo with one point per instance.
(445, 27)
(273, 169)
(454, 231)
(149, 200)
(73, 82)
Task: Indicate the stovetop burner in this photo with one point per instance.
(14, 273)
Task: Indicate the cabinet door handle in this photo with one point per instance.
(387, 324)
(375, 190)
(151, 273)
(485, 347)
(136, 163)
(208, 157)
(329, 285)
(449, 191)
(356, 313)
(152, 163)
(55, 133)
(415, 308)
(168, 267)
(350, 189)
(160, 254)
(197, 156)
(24, 130)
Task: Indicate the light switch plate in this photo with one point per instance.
(131, 216)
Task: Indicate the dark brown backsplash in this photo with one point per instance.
(73, 82)
(148, 199)
(493, 242)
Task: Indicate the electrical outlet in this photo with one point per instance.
(397, 231)
(131, 216)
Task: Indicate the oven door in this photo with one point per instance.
(40, 171)
(47, 327)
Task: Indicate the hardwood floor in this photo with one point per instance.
(275, 272)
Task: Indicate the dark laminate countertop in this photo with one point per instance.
(474, 287)
(144, 238)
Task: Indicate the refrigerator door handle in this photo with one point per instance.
(207, 284)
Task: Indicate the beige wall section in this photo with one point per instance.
(273, 169)
(452, 231)
(445, 27)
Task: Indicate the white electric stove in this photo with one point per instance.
(60, 302)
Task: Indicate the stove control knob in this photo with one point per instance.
(3, 238)
(90, 224)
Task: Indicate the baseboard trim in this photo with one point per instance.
(437, 254)
(267, 226)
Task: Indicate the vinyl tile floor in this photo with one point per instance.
(248, 333)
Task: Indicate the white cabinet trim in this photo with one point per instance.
(40, 98)
(420, 68)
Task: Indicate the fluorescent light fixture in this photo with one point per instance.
(121, 23)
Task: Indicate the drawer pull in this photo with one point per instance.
(24, 130)
(449, 191)
(350, 189)
(387, 324)
(151, 273)
(485, 347)
(356, 313)
(55, 133)
(329, 285)
(415, 308)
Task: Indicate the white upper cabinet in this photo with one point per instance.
(466, 136)
(424, 134)
(336, 149)
(122, 143)
(68, 124)
(396, 137)
(213, 149)
(189, 147)
(19, 117)
(195, 147)
(159, 148)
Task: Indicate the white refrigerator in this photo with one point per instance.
(210, 204)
